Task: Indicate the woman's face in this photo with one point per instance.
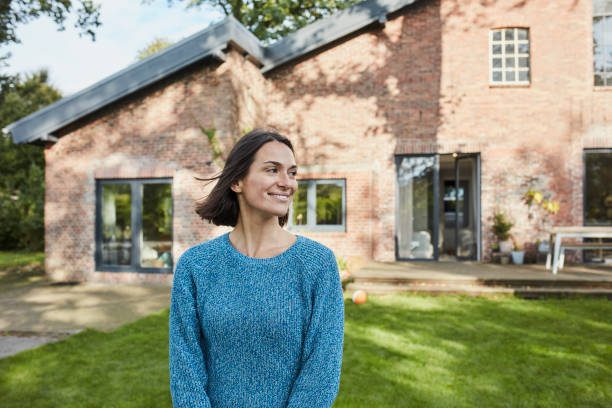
(271, 181)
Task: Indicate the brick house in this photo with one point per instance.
(392, 106)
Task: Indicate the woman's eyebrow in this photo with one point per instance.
(279, 164)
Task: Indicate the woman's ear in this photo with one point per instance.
(236, 188)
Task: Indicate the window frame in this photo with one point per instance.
(311, 208)
(515, 41)
(136, 190)
(603, 15)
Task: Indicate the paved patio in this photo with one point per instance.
(46, 308)
(35, 314)
(474, 278)
(469, 271)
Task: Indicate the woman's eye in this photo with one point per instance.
(273, 169)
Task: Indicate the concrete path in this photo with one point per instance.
(31, 315)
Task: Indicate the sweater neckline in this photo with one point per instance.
(261, 261)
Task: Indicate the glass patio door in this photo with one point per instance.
(418, 191)
(465, 200)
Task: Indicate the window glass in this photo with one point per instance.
(156, 248)
(602, 43)
(329, 204)
(318, 203)
(300, 205)
(135, 225)
(513, 54)
(598, 188)
(116, 224)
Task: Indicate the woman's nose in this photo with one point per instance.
(285, 180)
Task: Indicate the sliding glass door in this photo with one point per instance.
(417, 214)
(438, 207)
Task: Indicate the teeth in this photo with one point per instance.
(280, 197)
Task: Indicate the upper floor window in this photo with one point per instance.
(134, 225)
(602, 42)
(319, 205)
(509, 56)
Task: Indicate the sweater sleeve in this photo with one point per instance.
(318, 380)
(188, 376)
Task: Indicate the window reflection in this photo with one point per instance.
(156, 248)
(116, 224)
(329, 204)
(300, 204)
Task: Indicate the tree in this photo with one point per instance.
(22, 165)
(16, 12)
(270, 20)
(154, 47)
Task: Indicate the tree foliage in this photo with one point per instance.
(270, 20)
(153, 47)
(14, 13)
(22, 165)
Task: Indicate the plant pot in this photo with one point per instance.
(518, 257)
(505, 246)
(504, 259)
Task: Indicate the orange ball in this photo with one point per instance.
(359, 297)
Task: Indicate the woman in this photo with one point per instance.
(256, 314)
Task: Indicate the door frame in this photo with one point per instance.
(436, 204)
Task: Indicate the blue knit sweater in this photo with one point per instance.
(256, 332)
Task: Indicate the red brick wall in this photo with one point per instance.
(417, 84)
(154, 133)
(420, 84)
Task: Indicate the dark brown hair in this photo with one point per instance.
(220, 206)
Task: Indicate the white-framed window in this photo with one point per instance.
(602, 42)
(509, 56)
(319, 204)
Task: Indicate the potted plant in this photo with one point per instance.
(345, 274)
(540, 207)
(518, 255)
(501, 229)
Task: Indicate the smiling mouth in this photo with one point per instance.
(279, 197)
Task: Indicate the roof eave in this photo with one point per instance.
(208, 43)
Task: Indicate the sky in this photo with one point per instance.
(128, 26)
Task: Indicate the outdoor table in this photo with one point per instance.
(558, 233)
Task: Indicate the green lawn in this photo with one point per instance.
(400, 351)
(18, 269)
(9, 259)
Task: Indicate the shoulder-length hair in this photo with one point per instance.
(220, 206)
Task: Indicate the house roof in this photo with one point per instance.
(209, 43)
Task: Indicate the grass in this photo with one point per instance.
(10, 259)
(21, 268)
(400, 350)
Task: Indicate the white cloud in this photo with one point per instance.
(127, 26)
